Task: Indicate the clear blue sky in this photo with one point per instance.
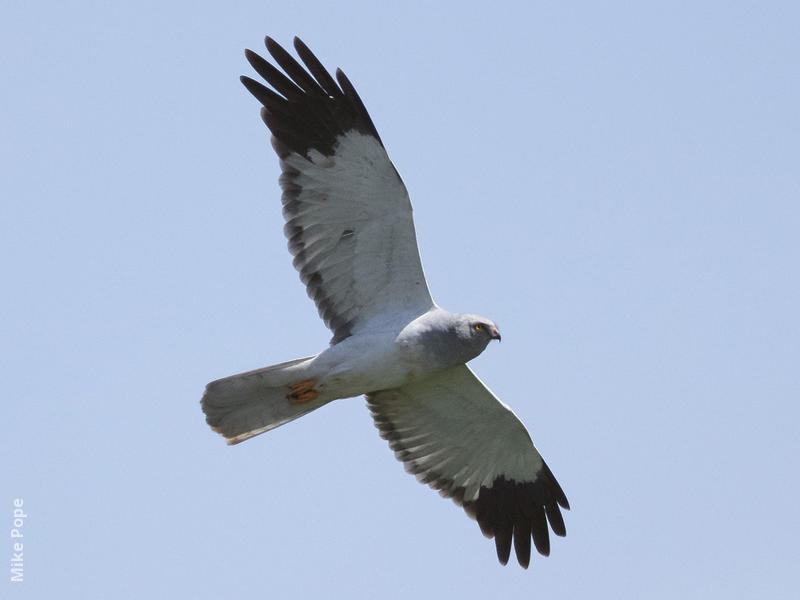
(617, 185)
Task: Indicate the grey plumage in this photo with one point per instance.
(351, 234)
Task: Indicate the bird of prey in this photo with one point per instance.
(351, 233)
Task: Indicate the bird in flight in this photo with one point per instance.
(351, 233)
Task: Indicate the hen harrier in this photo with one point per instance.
(350, 230)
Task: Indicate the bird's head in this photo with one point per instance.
(479, 331)
(483, 329)
(459, 338)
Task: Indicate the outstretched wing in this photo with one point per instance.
(348, 215)
(456, 436)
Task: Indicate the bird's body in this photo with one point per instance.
(350, 229)
(358, 365)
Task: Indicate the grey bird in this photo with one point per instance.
(351, 233)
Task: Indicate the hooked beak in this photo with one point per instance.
(495, 334)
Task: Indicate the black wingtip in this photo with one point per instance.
(307, 108)
(502, 543)
(518, 512)
(522, 544)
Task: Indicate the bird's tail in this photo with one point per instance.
(244, 405)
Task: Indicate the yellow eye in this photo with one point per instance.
(477, 327)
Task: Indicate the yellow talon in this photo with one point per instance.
(302, 392)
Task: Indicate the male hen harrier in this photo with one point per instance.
(350, 230)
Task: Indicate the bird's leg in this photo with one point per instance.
(302, 391)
